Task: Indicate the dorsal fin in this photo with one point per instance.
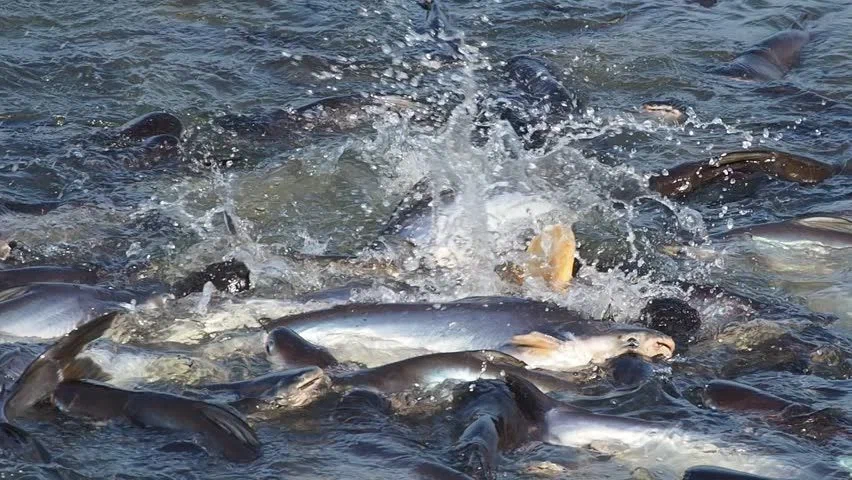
(533, 402)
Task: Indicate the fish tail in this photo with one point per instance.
(41, 377)
(230, 433)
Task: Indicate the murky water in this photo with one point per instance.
(71, 72)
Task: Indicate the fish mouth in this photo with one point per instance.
(651, 347)
(664, 347)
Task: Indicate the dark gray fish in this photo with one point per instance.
(566, 425)
(37, 382)
(629, 371)
(770, 59)
(707, 472)
(730, 396)
(539, 81)
(536, 333)
(290, 388)
(438, 26)
(151, 125)
(287, 347)
(51, 310)
(494, 423)
(29, 208)
(16, 277)
(827, 231)
(222, 430)
(328, 115)
(689, 177)
(428, 370)
(369, 432)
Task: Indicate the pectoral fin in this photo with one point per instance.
(536, 342)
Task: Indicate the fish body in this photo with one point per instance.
(539, 334)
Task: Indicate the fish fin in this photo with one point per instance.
(84, 369)
(536, 341)
(42, 376)
(14, 292)
(240, 442)
(552, 255)
(834, 224)
(533, 402)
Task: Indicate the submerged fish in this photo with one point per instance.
(428, 370)
(539, 334)
(770, 59)
(38, 380)
(562, 424)
(825, 231)
(289, 388)
(222, 430)
(16, 277)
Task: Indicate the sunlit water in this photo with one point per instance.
(70, 72)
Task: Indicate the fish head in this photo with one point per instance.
(300, 386)
(286, 347)
(641, 341)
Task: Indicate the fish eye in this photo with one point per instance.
(268, 348)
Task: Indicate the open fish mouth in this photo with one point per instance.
(658, 346)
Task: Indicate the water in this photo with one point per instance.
(71, 71)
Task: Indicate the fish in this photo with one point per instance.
(222, 429)
(537, 79)
(540, 334)
(289, 388)
(770, 59)
(833, 232)
(708, 472)
(563, 424)
(426, 371)
(493, 422)
(16, 277)
(284, 346)
(51, 310)
(686, 178)
(38, 380)
(152, 124)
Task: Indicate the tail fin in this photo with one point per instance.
(532, 401)
(230, 434)
(42, 376)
